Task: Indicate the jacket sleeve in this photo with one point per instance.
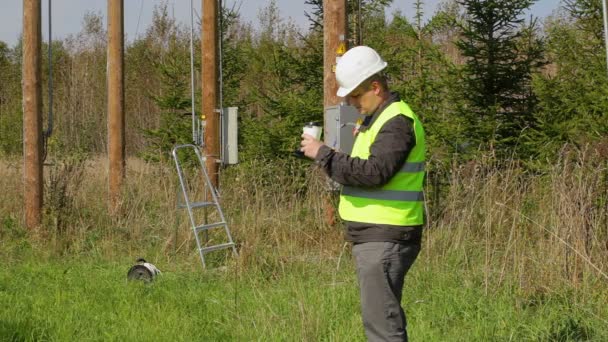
(388, 152)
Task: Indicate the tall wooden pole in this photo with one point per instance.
(32, 114)
(209, 87)
(335, 34)
(116, 114)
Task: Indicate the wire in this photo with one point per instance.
(49, 130)
(194, 118)
(141, 8)
(221, 77)
(197, 15)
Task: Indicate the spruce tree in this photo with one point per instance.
(573, 93)
(501, 52)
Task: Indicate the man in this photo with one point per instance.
(381, 199)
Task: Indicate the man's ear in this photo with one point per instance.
(376, 87)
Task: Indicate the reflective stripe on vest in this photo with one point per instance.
(412, 167)
(401, 200)
(393, 195)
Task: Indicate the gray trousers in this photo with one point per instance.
(381, 270)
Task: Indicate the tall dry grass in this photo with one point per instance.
(537, 231)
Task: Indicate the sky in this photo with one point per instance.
(68, 14)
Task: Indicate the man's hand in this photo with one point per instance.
(310, 146)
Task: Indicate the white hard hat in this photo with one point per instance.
(357, 65)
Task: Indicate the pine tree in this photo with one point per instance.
(573, 93)
(165, 49)
(501, 54)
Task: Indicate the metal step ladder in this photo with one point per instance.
(190, 205)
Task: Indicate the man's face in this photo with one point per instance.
(365, 98)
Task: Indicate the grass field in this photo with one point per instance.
(88, 298)
(506, 256)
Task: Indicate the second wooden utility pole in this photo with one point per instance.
(32, 114)
(209, 88)
(116, 103)
(335, 41)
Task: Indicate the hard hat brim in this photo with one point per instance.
(343, 92)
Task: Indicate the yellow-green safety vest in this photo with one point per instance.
(399, 202)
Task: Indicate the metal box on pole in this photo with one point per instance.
(339, 126)
(230, 135)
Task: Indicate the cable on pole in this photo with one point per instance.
(221, 76)
(49, 130)
(195, 131)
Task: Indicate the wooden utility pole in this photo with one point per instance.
(334, 45)
(334, 36)
(32, 114)
(116, 107)
(211, 118)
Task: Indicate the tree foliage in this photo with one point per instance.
(165, 49)
(479, 74)
(11, 117)
(502, 52)
(573, 92)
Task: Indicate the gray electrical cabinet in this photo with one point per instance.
(229, 137)
(339, 126)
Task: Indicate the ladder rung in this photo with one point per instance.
(216, 247)
(194, 205)
(209, 226)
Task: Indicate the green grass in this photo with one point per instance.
(89, 299)
(508, 257)
(82, 300)
(454, 307)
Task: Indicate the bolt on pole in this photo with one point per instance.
(210, 115)
(116, 114)
(32, 114)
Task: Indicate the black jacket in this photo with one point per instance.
(388, 152)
